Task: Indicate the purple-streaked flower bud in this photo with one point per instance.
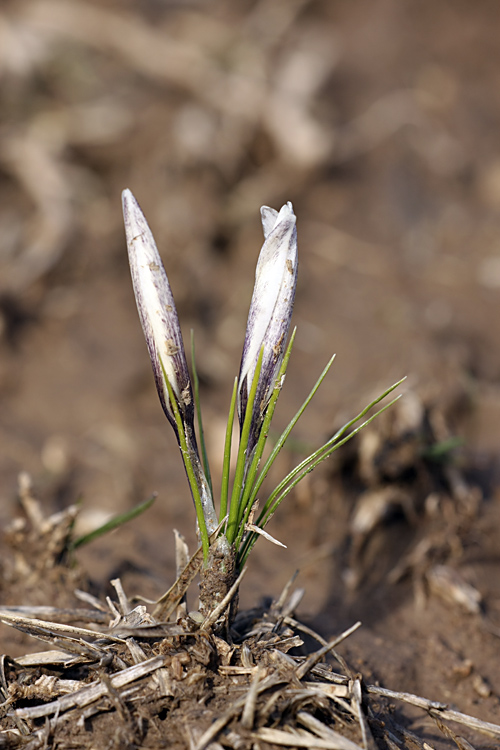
(270, 312)
(162, 331)
(157, 313)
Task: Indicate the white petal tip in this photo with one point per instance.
(139, 237)
(270, 217)
(127, 195)
(129, 204)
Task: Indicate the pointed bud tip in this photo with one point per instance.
(130, 205)
(270, 217)
(136, 225)
(286, 209)
(127, 196)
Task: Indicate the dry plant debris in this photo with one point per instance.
(406, 466)
(175, 685)
(127, 679)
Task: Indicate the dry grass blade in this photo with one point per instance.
(46, 658)
(296, 625)
(92, 692)
(63, 615)
(392, 743)
(312, 660)
(161, 630)
(415, 700)
(84, 596)
(4, 688)
(486, 727)
(438, 710)
(451, 587)
(122, 597)
(169, 601)
(218, 725)
(332, 691)
(324, 732)
(265, 534)
(77, 648)
(460, 742)
(248, 715)
(280, 603)
(287, 739)
(181, 560)
(44, 628)
(292, 603)
(368, 741)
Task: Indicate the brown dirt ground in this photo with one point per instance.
(380, 122)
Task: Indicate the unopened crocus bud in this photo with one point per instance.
(270, 312)
(162, 332)
(157, 313)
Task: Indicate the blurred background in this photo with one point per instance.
(379, 120)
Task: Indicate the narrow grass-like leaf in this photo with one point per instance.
(187, 457)
(295, 477)
(310, 463)
(226, 464)
(443, 451)
(242, 459)
(332, 444)
(248, 497)
(313, 461)
(197, 403)
(284, 435)
(113, 523)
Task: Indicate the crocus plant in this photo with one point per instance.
(243, 512)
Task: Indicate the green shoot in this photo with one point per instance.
(310, 463)
(189, 465)
(226, 466)
(197, 402)
(242, 459)
(113, 523)
(263, 367)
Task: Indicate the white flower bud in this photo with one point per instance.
(162, 331)
(157, 312)
(270, 311)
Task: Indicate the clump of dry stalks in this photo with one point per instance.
(122, 674)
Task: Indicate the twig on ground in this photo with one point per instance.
(438, 710)
(312, 660)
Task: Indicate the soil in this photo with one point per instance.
(379, 121)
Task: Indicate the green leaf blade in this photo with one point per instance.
(114, 523)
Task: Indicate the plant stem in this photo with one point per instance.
(197, 402)
(284, 435)
(226, 466)
(188, 457)
(242, 460)
(249, 492)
